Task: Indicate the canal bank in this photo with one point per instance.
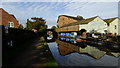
(36, 55)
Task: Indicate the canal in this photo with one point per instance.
(68, 54)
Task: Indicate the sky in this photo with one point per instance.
(50, 11)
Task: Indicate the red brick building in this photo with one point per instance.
(8, 19)
(64, 19)
(65, 23)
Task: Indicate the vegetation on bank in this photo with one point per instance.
(50, 59)
(17, 40)
(36, 23)
(16, 51)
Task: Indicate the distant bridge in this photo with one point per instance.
(51, 32)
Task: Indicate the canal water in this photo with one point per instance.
(67, 54)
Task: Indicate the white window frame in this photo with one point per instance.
(10, 24)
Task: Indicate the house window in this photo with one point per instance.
(115, 27)
(11, 24)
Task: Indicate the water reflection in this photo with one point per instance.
(95, 52)
(72, 53)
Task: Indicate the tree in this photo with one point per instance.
(43, 28)
(53, 27)
(36, 23)
(20, 26)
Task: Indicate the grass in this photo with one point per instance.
(50, 59)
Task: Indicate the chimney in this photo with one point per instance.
(80, 17)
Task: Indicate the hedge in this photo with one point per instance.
(15, 36)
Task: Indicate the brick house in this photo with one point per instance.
(94, 23)
(7, 19)
(64, 20)
(77, 23)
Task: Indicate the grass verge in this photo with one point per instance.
(50, 59)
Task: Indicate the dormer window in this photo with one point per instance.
(10, 24)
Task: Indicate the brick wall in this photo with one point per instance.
(65, 20)
(73, 28)
(6, 17)
(69, 28)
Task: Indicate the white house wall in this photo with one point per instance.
(97, 24)
(119, 27)
(112, 29)
(83, 26)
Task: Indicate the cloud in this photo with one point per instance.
(88, 9)
(0, 4)
(60, 0)
(25, 10)
(51, 10)
(51, 22)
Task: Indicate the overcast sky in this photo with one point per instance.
(51, 10)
